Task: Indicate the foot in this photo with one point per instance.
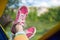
(30, 32)
(21, 15)
(20, 18)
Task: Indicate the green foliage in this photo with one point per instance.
(52, 16)
(32, 15)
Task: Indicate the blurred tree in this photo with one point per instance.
(9, 12)
(53, 15)
(12, 4)
(58, 14)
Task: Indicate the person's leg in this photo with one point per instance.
(20, 18)
(20, 34)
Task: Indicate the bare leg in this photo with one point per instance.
(19, 35)
(19, 28)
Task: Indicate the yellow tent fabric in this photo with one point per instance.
(2, 6)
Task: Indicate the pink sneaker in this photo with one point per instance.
(30, 32)
(21, 15)
(20, 18)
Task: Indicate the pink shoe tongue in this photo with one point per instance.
(24, 9)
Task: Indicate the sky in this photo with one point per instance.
(38, 3)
